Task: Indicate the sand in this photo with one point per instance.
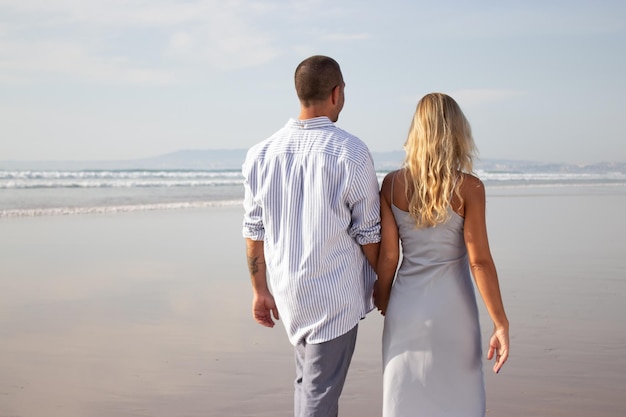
(148, 314)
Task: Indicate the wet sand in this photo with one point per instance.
(148, 314)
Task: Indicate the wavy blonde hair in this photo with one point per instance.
(438, 147)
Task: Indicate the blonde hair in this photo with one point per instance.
(438, 147)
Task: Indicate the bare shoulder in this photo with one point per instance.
(472, 190)
(390, 178)
(472, 184)
(392, 181)
(385, 189)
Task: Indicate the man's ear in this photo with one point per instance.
(334, 95)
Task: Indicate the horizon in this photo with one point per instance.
(96, 80)
(197, 159)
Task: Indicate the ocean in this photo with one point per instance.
(28, 193)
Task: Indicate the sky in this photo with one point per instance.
(124, 79)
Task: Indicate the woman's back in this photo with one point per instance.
(431, 324)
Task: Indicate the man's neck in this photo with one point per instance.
(313, 112)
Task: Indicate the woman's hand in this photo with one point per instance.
(499, 346)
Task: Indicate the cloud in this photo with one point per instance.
(111, 12)
(230, 41)
(24, 61)
(130, 41)
(490, 20)
(181, 42)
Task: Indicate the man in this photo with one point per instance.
(312, 226)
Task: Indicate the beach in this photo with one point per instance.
(148, 314)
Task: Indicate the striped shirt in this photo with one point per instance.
(311, 194)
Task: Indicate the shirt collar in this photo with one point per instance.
(314, 123)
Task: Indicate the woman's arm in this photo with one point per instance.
(389, 247)
(483, 267)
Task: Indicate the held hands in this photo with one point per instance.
(499, 345)
(263, 308)
(381, 297)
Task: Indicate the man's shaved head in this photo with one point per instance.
(315, 79)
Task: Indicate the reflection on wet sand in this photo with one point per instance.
(148, 314)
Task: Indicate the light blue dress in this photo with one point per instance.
(431, 338)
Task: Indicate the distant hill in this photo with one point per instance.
(233, 158)
(215, 159)
(184, 159)
(199, 159)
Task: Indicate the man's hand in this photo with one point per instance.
(263, 305)
(381, 297)
(263, 308)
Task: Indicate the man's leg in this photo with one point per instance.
(321, 371)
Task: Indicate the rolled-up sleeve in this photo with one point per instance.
(253, 227)
(365, 204)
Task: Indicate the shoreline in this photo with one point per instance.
(235, 199)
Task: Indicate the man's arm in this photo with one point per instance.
(263, 305)
(365, 206)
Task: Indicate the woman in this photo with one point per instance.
(435, 208)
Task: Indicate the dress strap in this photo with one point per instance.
(393, 179)
(456, 179)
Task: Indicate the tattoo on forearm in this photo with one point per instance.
(253, 264)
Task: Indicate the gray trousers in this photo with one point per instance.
(321, 371)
